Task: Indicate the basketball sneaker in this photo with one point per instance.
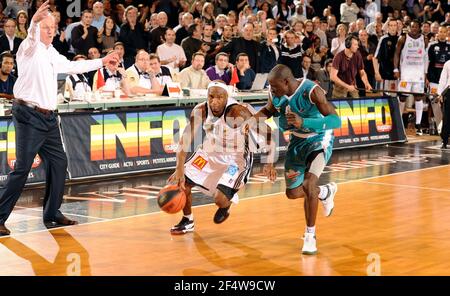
(221, 215)
(309, 244)
(183, 227)
(328, 202)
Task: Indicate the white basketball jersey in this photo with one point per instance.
(220, 137)
(413, 57)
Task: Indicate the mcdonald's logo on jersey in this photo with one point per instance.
(199, 162)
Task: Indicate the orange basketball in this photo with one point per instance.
(171, 199)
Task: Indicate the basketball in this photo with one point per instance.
(171, 199)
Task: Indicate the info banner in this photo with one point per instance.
(122, 141)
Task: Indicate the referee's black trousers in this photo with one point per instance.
(445, 132)
(36, 133)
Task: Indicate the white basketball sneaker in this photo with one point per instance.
(309, 244)
(328, 203)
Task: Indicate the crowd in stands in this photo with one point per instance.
(194, 42)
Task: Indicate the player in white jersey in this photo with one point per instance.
(221, 165)
(410, 63)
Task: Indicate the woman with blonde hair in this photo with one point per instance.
(208, 13)
(338, 43)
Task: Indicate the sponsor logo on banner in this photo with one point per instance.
(199, 162)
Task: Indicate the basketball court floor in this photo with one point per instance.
(391, 218)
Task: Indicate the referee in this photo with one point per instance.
(36, 122)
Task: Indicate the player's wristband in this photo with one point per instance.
(331, 121)
(396, 70)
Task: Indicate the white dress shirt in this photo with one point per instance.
(11, 42)
(38, 68)
(444, 80)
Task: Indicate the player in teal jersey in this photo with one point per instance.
(302, 108)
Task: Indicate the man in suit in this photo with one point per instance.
(8, 42)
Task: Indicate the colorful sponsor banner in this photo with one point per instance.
(122, 141)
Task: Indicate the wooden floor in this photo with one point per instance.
(402, 219)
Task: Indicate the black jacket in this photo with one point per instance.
(4, 44)
(268, 59)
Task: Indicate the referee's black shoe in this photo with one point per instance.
(3, 230)
(59, 222)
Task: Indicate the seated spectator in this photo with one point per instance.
(99, 18)
(171, 54)
(162, 73)
(245, 73)
(7, 79)
(113, 77)
(269, 51)
(77, 85)
(8, 41)
(141, 79)
(220, 71)
(107, 35)
(306, 68)
(93, 53)
(323, 78)
(120, 49)
(194, 76)
(84, 36)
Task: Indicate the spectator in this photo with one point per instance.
(114, 77)
(207, 39)
(346, 65)
(194, 76)
(317, 30)
(309, 31)
(331, 30)
(120, 49)
(387, 10)
(162, 73)
(245, 73)
(244, 44)
(338, 43)
(220, 71)
(13, 8)
(221, 22)
(372, 26)
(182, 32)
(107, 35)
(193, 43)
(291, 53)
(282, 13)
(98, 18)
(208, 13)
(349, 12)
(308, 73)
(9, 42)
(170, 53)
(93, 53)
(299, 16)
(7, 79)
(140, 77)
(157, 34)
(84, 36)
(265, 6)
(270, 53)
(77, 85)
(22, 24)
(323, 78)
(59, 41)
(370, 12)
(367, 50)
(133, 35)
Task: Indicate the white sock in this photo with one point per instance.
(323, 194)
(402, 106)
(419, 111)
(311, 229)
(190, 217)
